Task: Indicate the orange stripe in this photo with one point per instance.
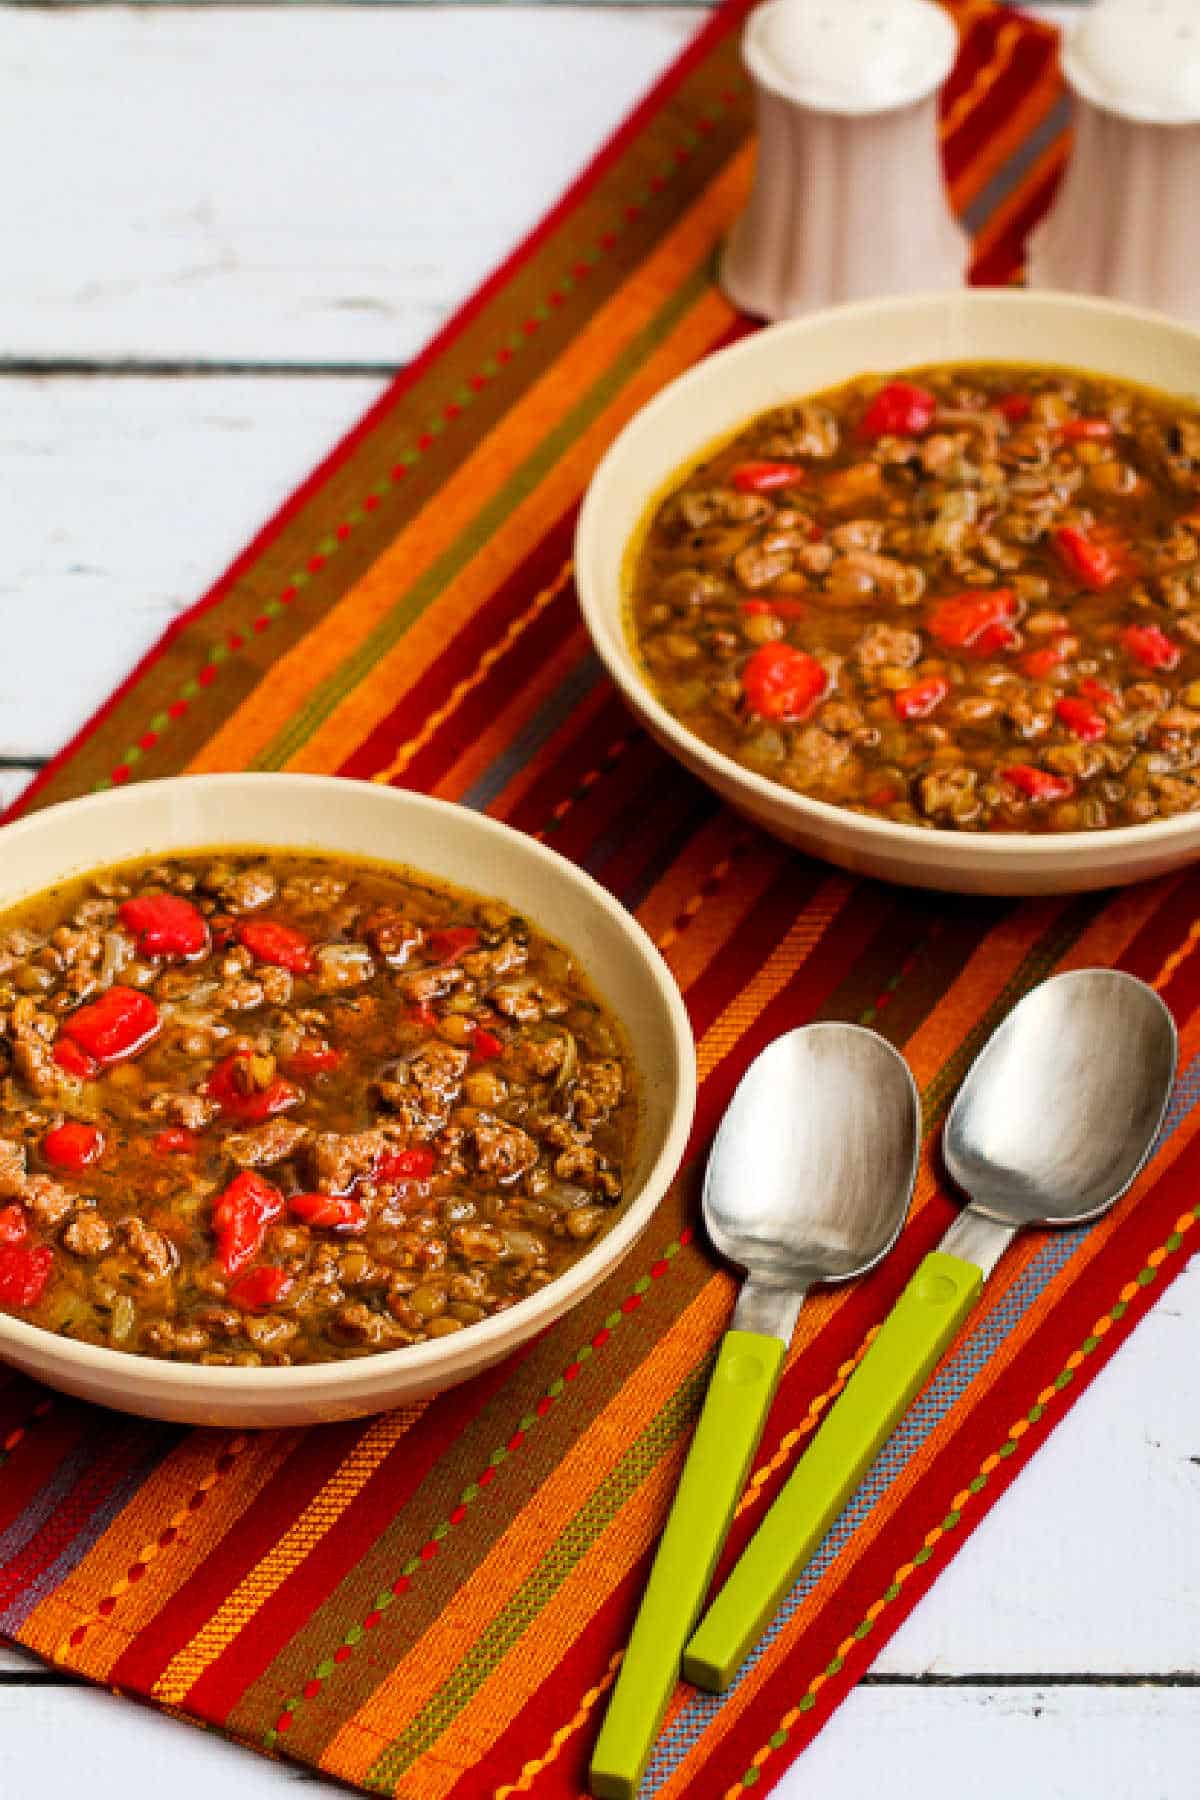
(368, 704)
(161, 1504)
(995, 151)
(516, 1556)
(1054, 154)
(236, 1611)
(511, 720)
(290, 680)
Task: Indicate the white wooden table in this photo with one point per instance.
(223, 227)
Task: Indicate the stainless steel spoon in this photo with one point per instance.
(1055, 1118)
(809, 1180)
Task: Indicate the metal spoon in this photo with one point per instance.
(809, 1180)
(1055, 1118)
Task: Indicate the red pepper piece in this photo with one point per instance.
(13, 1224)
(447, 945)
(240, 1218)
(73, 1146)
(416, 1164)
(979, 621)
(922, 698)
(883, 796)
(1040, 664)
(329, 1212)
(165, 925)
(1150, 645)
(312, 1058)
(1096, 692)
(424, 1016)
(781, 682)
(1039, 784)
(250, 1105)
(264, 1286)
(1096, 564)
(174, 1141)
(782, 608)
(117, 1025)
(74, 1061)
(765, 477)
(485, 1045)
(1081, 719)
(24, 1272)
(1086, 430)
(270, 942)
(899, 409)
(1013, 407)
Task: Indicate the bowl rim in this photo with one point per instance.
(537, 1310)
(994, 847)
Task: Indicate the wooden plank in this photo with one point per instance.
(403, 153)
(120, 502)
(1053, 1742)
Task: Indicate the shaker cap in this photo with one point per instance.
(1138, 58)
(850, 56)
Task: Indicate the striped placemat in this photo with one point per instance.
(432, 1603)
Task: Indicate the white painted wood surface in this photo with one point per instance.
(317, 187)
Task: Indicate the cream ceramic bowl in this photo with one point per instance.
(453, 845)
(804, 356)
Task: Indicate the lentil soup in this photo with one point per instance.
(962, 598)
(262, 1107)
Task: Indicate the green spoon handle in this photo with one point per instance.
(912, 1338)
(739, 1395)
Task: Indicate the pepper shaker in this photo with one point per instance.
(1124, 223)
(848, 198)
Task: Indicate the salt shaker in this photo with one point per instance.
(848, 198)
(1124, 224)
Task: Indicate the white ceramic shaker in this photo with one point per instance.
(848, 198)
(1127, 217)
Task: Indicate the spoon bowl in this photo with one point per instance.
(1061, 1109)
(812, 1169)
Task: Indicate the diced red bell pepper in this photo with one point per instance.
(240, 1218)
(174, 1141)
(781, 682)
(1041, 663)
(1081, 719)
(765, 477)
(249, 1105)
(312, 1058)
(1096, 692)
(922, 698)
(485, 1045)
(899, 409)
(165, 925)
(1150, 645)
(1095, 563)
(447, 945)
(14, 1226)
(1013, 407)
(424, 1016)
(783, 608)
(73, 1146)
(1086, 430)
(979, 620)
(257, 1288)
(24, 1272)
(74, 1061)
(883, 796)
(415, 1164)
(282, 945)
(329, 1212)
(1038, 784)
(117, 1025)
